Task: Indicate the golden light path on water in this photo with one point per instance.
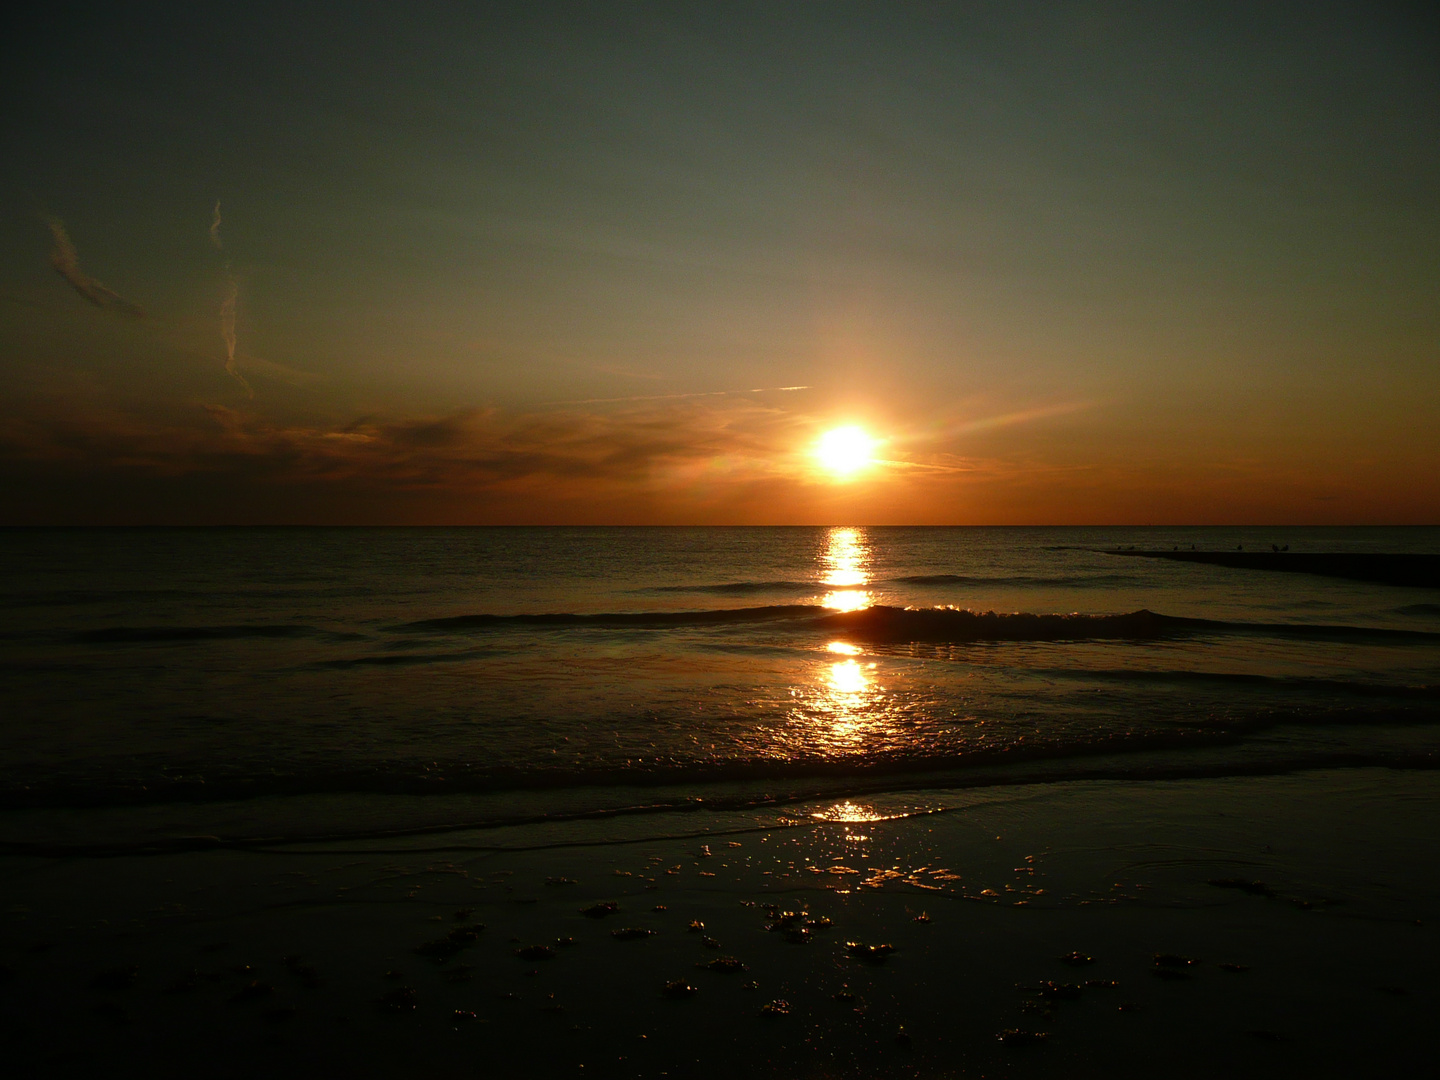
(845, 566)
(853, 813)
(843, 712)
(840, 708)
(848, 681)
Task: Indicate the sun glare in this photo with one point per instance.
(845, 450)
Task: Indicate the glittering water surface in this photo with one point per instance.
(144, 666)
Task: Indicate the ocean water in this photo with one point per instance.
(301, 682)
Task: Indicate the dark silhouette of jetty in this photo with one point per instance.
(1408, 569)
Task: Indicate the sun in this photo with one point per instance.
(844, 450)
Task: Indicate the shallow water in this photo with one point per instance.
(532, 672)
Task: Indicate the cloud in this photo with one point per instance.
(467, 451)
(66, 261)
(227, 331)
(676, 397)
(215, 228)
(714, 459)
(1020, 416)
(82, 459)
(671, 448)
(279, 372)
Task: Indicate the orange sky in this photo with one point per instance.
(1092, 265)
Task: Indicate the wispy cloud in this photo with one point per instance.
(215, 228)
(464, 452)
(925, 466)
(677, 397)
(923, 449)
(1018, 416)
(269, 369)
(679, 447)
(719, 460)
(66, 261)
(227, 331)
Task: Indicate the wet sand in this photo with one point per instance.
(1261, 925)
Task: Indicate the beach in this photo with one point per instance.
(1293, 918)
(713, 802)
(720, 541)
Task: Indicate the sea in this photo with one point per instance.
(195, 686)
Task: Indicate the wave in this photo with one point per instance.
(237, 783)
(403, 659)
(738, 786)
(745, 588)
(116, 635)
(656, 620)
(880, 623)
(82, 597)
(1012, 579)
(884, 623)
(1283, 683)
(741, 588)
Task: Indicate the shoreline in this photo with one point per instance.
(176, 826)
(1328, 874)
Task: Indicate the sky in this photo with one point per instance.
(624, 263)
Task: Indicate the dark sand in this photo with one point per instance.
(1421, 571)
(1319, 889)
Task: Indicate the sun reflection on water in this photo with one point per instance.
(840, 709)
(847, 706)
(845, 565)
(848, 678)
(852, 813)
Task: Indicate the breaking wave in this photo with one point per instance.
(886, 623)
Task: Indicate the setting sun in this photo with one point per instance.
(844, 450)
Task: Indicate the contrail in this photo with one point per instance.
(1021, 417)
(227, 330)
(66, 262)
(919, 465)
(985, 424)
(672, 397)
(227, 308)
